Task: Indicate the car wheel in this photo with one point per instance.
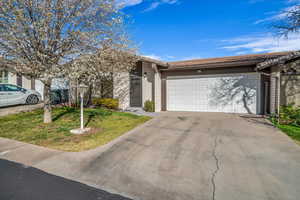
(32, 99)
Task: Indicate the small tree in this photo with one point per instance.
(290, 23)
(110, 60)
(37, 37)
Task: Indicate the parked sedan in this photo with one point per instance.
(14, 95)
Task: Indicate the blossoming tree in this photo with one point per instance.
(38, 37)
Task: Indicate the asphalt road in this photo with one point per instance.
(20, 182)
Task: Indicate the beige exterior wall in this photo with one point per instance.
(122, 89)
(26, 83)
(290, 90)
(157, 90)
(274, 89)
(287, 93)
(147, 82)
(151, 87)
(12, 78)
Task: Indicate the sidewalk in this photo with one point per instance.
(17, 109)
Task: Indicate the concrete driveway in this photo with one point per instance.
(203, 156)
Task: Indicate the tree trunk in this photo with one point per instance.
(47, 102)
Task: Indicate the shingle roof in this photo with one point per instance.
(243, 60)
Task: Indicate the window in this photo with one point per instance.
(11, 88)
(3, 76)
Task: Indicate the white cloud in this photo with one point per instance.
(153, 56)
(260, 44)
(153, 3)
(281, 14)
(293, 1)
(191, 58)
(156, 4)
(241, 53)
(166, 57)
(126, 3)
(169, 57)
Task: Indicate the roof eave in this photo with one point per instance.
(276, 61)
(151, 60)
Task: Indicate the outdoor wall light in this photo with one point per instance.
(145, 74)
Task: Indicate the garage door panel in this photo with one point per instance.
(232, 94)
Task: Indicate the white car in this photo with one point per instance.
(15, 95)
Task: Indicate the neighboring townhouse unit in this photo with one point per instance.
(284, 74)
(11, 77)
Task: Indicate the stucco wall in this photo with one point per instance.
(274, 89)
(26, 83)
(290, 90)
(12, 78)
(157, 89)
(147, 82)
(122, 89)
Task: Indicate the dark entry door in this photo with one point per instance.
(136, 87)
(19, 80)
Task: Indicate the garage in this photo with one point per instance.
(229, 93)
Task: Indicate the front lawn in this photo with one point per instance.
(292, 131)
(106, 125)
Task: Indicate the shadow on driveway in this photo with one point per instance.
(20, 182)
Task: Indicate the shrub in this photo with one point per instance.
(290, 115)
(149, 106)
(107, 103)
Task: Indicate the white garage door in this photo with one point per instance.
(222, 93)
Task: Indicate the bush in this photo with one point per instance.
(149, 106)
(290, 115)
(107, 103)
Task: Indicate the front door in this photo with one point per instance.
(136, 87)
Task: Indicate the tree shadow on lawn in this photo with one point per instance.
(66, 111)
(90, 114)
(96, 113)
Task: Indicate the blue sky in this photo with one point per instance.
(188, 29)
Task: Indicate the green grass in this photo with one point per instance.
(291, 130)
(106, 125)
